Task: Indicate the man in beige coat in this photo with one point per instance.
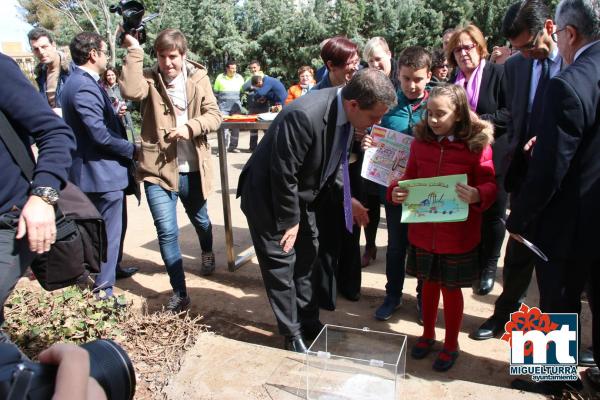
(179, 109)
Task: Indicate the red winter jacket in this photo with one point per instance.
(430, 159)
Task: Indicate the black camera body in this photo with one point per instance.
(22, 379)
(134, 22)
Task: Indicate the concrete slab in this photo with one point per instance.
(225, 369)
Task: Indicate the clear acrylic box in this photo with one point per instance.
(349, 363)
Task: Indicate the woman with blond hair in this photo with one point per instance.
(378, 55)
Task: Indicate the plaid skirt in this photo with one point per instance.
(451, 270)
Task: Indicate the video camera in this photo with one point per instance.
(133, 21)
(25, 379)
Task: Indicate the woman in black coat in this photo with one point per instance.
(483, 81)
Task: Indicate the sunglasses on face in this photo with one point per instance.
(467, 48)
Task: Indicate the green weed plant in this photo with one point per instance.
(35, 320)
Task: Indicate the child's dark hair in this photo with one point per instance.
(415, 57)
(469, 128)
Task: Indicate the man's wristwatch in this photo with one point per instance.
(48, 194)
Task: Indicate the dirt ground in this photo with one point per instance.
(234, 305)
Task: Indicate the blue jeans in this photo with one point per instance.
(163, 206)
(395, 258)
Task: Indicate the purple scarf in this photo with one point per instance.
(473, 85)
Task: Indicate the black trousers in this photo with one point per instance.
(288, 276)
(493, 229)
(517, 272)
(338, 266)
(577, 275)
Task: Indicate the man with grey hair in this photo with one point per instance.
(562, 188)
(291, 169)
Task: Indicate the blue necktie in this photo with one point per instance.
(538, 99)
(346, 179)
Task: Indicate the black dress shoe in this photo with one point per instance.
(486, 282)
(593, 378)
(491, 328)
(295, 344)
(351, 296)
(548, 388)
(126, 272)
(586, 358)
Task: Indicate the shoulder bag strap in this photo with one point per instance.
(16, 147)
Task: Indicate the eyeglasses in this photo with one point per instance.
(441, 66)
(467, 48)
(529, 45)
(555, 34)
(105, 52)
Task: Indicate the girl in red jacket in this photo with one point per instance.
(452, 140)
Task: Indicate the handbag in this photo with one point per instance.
(81, 242)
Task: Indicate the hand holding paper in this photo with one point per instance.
(399, 194)
(367, 142)
(467, 193)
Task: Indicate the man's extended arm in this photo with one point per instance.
(557, 143)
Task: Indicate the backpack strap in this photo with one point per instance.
(16, 147)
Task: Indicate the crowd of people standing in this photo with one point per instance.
(521, 123)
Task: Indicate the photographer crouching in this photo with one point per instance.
(96, 370)
(27, 217)
(179, 110)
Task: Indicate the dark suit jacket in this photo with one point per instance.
(103, 156)
(288, 166)
(517, 75)
(562, 189)
(491, 106)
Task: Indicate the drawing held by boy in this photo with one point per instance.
(414, 73)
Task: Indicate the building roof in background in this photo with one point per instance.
(13, 35)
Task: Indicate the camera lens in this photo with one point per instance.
(112, 368)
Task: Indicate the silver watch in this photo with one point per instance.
(48, 194)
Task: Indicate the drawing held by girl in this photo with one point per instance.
(452, 140)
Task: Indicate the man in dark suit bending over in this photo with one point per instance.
(298, 159)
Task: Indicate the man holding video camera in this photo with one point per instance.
(179, 110)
